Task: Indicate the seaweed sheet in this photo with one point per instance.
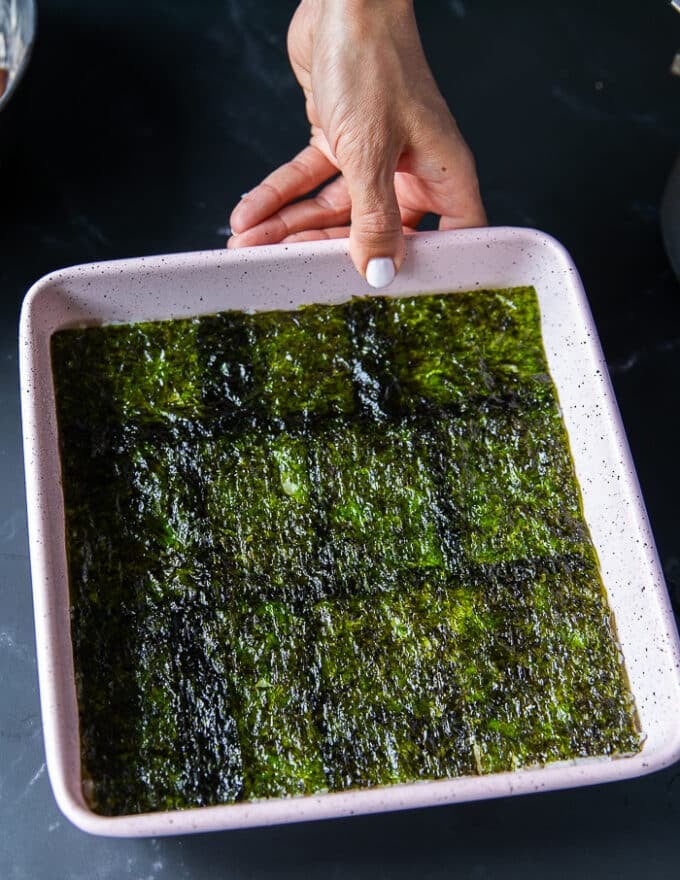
(328, 548)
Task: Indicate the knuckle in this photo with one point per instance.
(364, 145)
(375, 227)
(271, 188)
(299, 167)
(332, 202)
(378, 220)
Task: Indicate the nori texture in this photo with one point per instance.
(335, 547)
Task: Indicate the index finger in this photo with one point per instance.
(296, 178)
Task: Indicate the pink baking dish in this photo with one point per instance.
(283, 277)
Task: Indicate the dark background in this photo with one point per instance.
(139, 124)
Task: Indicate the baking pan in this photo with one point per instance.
(184, 285)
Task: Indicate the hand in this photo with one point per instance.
(378, 118)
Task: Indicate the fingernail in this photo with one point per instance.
(243, 195)
(380, 271)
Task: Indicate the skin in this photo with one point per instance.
(374, 165)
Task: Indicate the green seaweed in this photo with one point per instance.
(379, 506)
(509, 474)
(296, 377)
(391, 706)
(276, 673)
(327, 548)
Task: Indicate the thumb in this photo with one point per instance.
(376, 240)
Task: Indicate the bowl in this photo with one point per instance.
(17, 34)
(185, 285)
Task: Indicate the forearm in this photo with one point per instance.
(366, 7)
(363, 13)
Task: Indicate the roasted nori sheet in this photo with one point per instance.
(335, 547)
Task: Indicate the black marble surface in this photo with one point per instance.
(137, 127)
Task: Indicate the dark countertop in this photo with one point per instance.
(137, 128)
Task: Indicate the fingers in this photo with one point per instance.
(438, 176)
(453, 187)
(309, 169)
(311, 219)
(327, 234)
(470, 216)
(318, 234)
(331, 207)
(376, 242)
(464, 208)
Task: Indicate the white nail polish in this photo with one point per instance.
(380, 271)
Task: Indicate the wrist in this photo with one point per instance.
(360, 8)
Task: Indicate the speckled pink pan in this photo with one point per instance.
(284, 277)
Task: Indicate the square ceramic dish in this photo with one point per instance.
(284, 277)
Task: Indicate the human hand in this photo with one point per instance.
(378, 118)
